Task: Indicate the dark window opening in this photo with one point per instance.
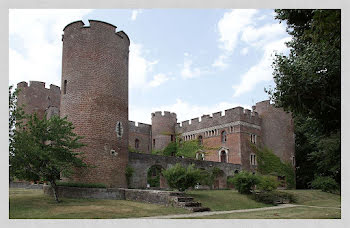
(154, 143)
(65, 87)
(223, 157)
(172, 138)
(223, 136)
(137, 143)
(200, 140)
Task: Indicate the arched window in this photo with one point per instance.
(223, 156)
(200, 140)
(137, 143)
(223, 136)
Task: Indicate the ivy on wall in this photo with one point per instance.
(271, 164)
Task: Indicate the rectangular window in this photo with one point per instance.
(154, 143)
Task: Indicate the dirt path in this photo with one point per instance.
(198, 214)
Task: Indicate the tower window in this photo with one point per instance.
(137, 143)
(65, 87)
(200, 140)
(253, 138)
(223, 136)
(172, 138)
(154, 143)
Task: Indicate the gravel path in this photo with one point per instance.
(198, 214)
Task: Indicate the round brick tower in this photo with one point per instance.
(163, 129)
(94, 96)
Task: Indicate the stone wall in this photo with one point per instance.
(277, 130)
(142, 162)
(143, 133)
(163, 129)
(147, 196)
(38, 99)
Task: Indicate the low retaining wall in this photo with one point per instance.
(147, 196)
(90, 193)
(26, 185)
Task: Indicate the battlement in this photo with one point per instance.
(165, 114)
(94, 25)
(217, 118)
(140, 127)
(38, 85)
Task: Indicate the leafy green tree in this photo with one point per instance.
(308, 84)
(244, 182)
(45, 149)
(15, 115)
(182, 178)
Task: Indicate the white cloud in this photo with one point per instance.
(187, 70)
(231, 24)
(39, 32)
(220, 62)
(134, 14)
(260, 36)
(158, 79)
(261, 71)
(139, 66)
(230, 27)
(244, 51)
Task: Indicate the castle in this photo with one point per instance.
(94, 97)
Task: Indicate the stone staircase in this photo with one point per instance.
(179, 199)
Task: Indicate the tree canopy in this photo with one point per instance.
(308, 85)
(43, 149)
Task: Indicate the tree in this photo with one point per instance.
(182, 178)
(308, 85)
(179, 148)
(45, 149)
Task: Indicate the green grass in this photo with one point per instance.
(316, 198)
(285, 213)
(225, 200)
(32, 203)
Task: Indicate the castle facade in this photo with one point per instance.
(94, 97)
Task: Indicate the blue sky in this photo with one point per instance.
(188, 61)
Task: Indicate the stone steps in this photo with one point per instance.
(181, 200)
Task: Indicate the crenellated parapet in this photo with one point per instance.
(235, 116)
(37, 98)
(140, 127)
(95, 25)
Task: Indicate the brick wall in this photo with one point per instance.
(143, 133)
(277, 130)
(95, 98)
(38, 99)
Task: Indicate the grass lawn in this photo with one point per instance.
(316, 198)
(285, 213)
(32, 203)
(225, 200)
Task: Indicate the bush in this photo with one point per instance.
(326, 184)
(267, 183)
(182, 178)
(244, 182)
(272, 197)
(81, 185)
(128, 174)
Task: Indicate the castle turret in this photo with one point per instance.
(163, 129)
(95, 98)
(277, 130)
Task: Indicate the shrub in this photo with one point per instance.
(208, 177)
(244, 182)
(182, 178)
(326, 184)
(128, 174)
(267, 183)
(272, 197)
(81, 185)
